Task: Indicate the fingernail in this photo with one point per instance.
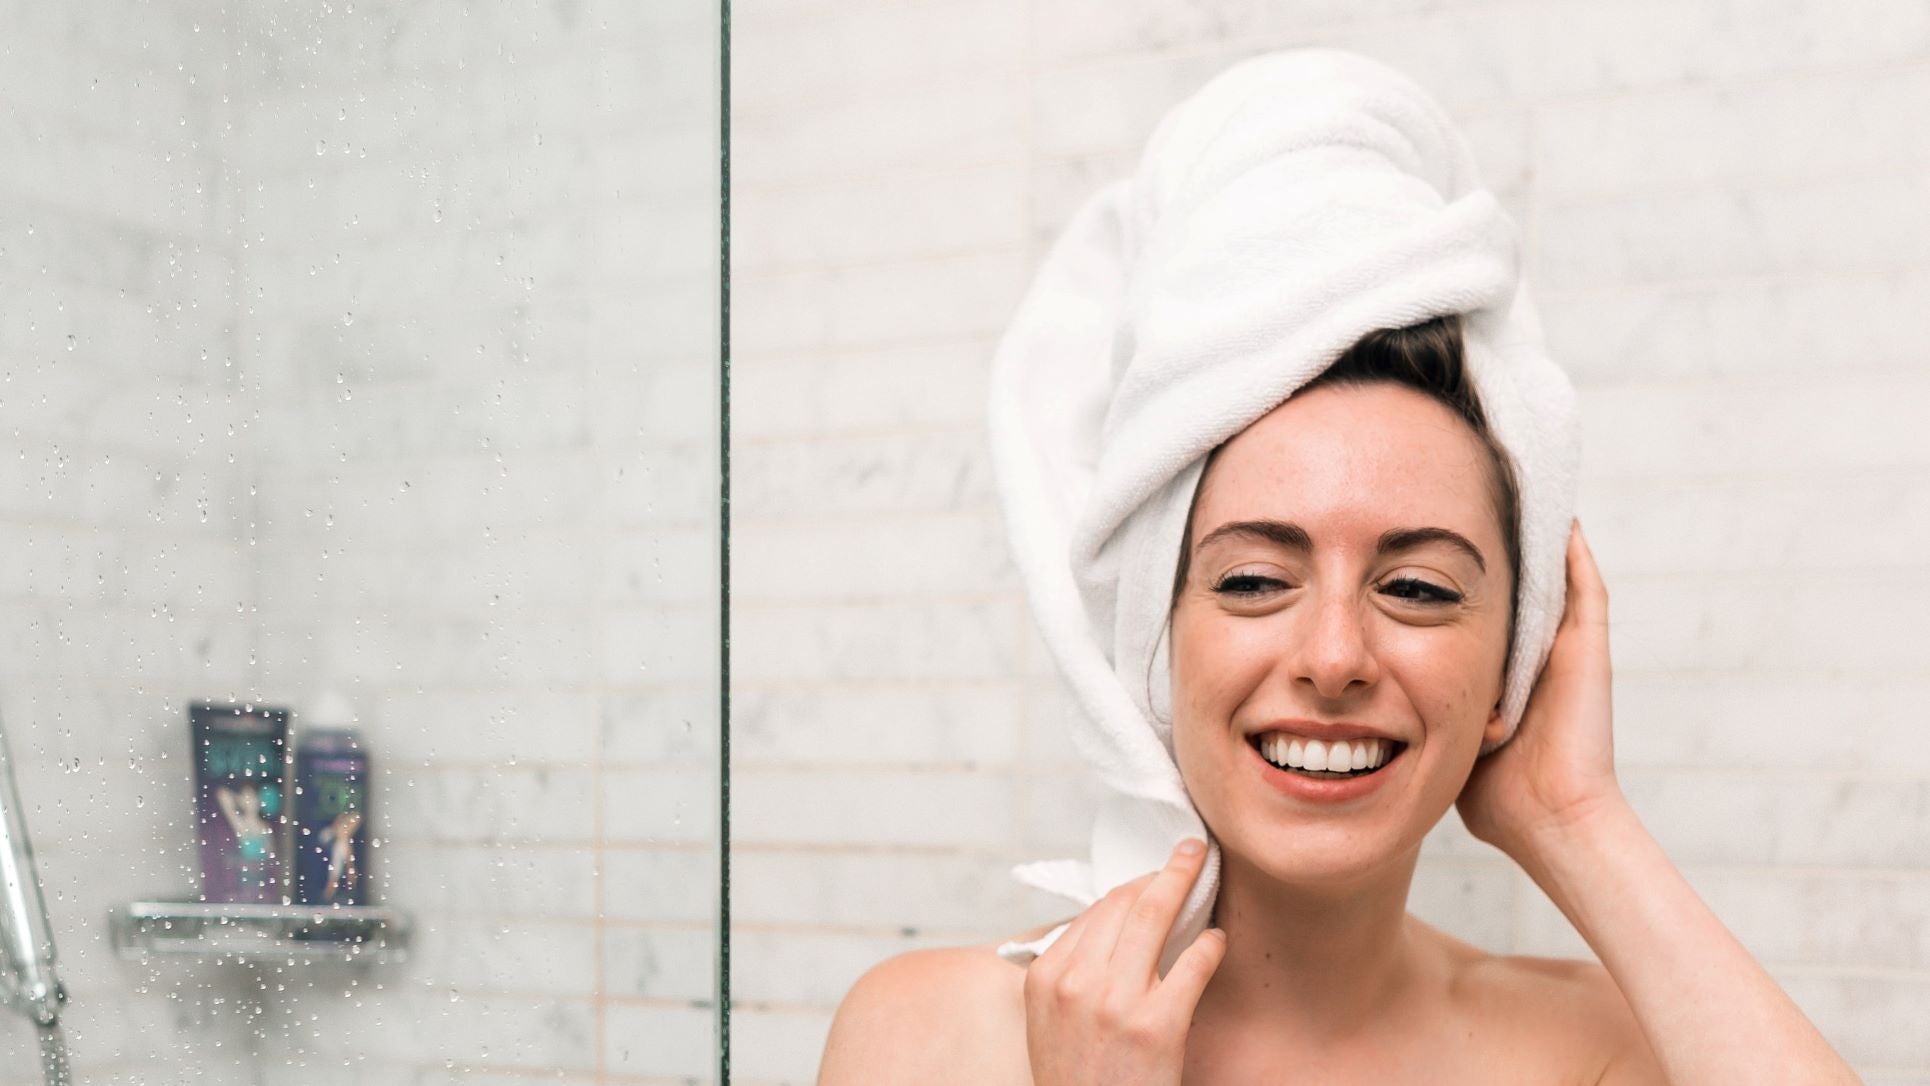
(1191, 846)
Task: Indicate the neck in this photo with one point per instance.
(1330, 959)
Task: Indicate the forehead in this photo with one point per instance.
(1354, 460)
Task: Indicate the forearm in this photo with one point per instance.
(1709, 1011)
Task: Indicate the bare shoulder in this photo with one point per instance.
(1572, 1008)
(949, 1014)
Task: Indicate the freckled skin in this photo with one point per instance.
(1346, 464)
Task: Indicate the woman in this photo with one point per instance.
(1347, 577)
(1289, 480)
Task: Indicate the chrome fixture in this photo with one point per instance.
(28, 983)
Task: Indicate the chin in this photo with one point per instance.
(1314, 852)
(1312, 843)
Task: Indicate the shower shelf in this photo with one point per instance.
(343, 933)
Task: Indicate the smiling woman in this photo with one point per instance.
(1290, 484)
(1341, 620)
(1335, 599)
(1339, 633)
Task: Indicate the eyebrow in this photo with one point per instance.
(1294, 537)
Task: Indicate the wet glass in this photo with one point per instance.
(361, 363)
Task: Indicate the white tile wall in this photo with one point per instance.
(1723, 208)
(373, 349)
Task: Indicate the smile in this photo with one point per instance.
(1323, 771)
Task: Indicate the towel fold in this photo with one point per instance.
(1296, 202)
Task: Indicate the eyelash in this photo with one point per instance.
(1434, 594)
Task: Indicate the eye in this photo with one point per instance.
(1408, 588)
(1247, 584)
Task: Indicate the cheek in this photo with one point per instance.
(1448, 678)
(1215, 668)
(1217, 662)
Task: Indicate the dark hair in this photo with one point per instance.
(1430, 357)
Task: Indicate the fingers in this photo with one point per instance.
(1148, 923)
(1095, 1011)
(1074, 945)
(1587, 602)
(1096, 940)
(1101, 925)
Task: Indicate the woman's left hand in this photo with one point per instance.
(1560, 766)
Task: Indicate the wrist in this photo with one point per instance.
(1580, 829)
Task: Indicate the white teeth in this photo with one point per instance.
(1288, 750)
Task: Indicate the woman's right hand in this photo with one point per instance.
(1096, 1011)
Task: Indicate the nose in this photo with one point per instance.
(1332, 650)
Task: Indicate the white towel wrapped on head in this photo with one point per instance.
(1296, 202)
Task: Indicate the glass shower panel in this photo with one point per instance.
(360, 364)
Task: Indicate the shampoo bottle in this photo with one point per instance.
(331, 809)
